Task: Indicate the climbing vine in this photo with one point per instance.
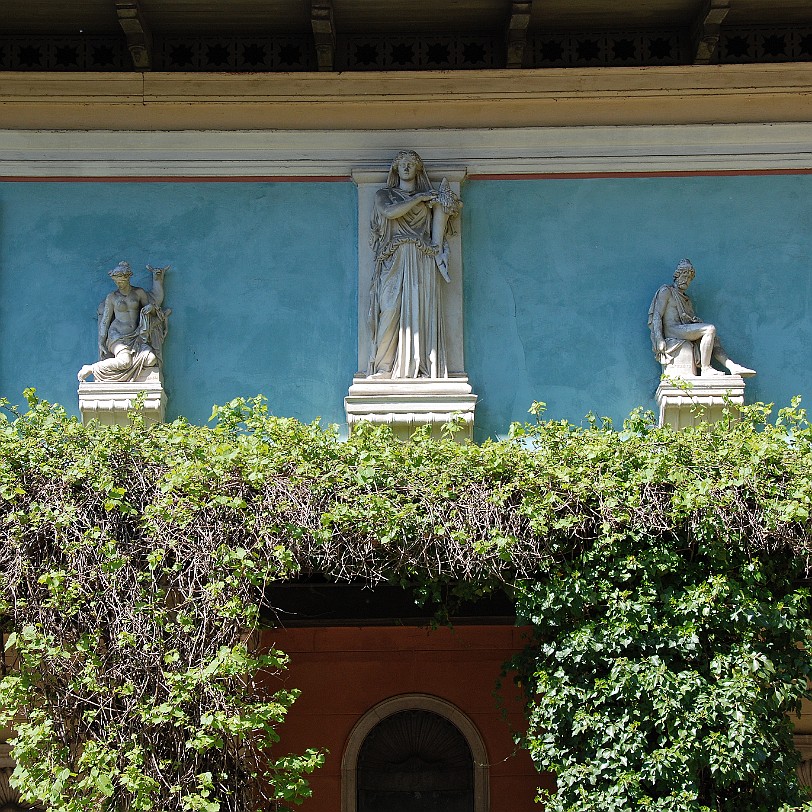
(659, 572)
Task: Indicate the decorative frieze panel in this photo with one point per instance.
(64, 54)
(292, 53)
(419, 53)
(562, 50)
(741, 45)
(235, 54)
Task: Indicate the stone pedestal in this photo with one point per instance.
(407, 404)
(692, 399)
(111, 403)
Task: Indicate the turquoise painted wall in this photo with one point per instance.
(559, 275)
(262, 287)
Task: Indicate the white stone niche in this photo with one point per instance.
(406, 404)
(688, 400)
(111, 403)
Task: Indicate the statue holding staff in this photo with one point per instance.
(132, 328)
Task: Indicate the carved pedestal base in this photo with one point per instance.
(111, 403)
(407, 404)
(698, 399)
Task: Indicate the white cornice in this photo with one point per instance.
(337, 153)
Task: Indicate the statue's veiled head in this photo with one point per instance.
(121, 276)
(422, 182)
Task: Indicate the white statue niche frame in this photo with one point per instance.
(405, 404)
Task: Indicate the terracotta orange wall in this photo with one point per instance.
(343, 672)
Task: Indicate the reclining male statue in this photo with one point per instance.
(682, 342)
(132, 328)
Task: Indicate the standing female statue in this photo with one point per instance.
(409, 224)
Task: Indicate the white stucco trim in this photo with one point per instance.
(326, 154)
(414, 702)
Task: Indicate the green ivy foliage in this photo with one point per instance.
(667, 652)
(657, 569)
(139, 684)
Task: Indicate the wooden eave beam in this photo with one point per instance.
(324, 33)
(707, 28)
(371, 101)
(139, 38)
(516, 33)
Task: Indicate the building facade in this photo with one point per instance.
(592, 154)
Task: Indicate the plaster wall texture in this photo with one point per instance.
(559, 274)
(262, 287)
(359, 667)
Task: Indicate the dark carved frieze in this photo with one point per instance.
(369, 52)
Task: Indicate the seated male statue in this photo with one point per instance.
(681, 341)
(132, 328)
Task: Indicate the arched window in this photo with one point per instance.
(415, 753)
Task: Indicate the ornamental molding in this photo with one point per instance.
(337, 154)
(384, 100)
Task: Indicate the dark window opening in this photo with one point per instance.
(415, 761)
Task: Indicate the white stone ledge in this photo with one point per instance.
(336, 154)
(112, 403)
(405, 405)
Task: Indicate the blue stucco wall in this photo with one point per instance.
(559, 274)
(262, 287)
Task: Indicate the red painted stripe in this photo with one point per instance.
(178, 179)
(668, 173)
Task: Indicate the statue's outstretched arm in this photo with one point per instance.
(157, 293)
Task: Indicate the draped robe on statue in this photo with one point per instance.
(144, 343)
(685, 313)
(406, 309)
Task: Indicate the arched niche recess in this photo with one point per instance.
(8, 797)
(414, 702)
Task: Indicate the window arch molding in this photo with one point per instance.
(406, 702)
